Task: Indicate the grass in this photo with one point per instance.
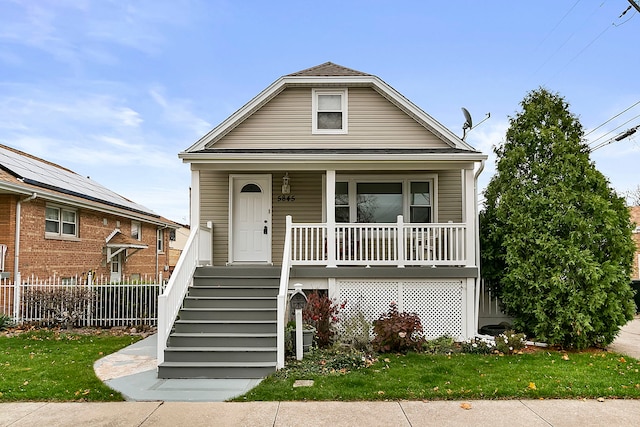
(542, 374)
(46, 365)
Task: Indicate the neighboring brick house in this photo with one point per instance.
(635, 218)
(54, 221)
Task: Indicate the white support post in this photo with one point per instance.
(299, 343)
(400, 243)
(194, 203)
(331, 218)
(470, 213)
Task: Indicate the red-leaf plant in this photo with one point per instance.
(397, 332)
(321, 312)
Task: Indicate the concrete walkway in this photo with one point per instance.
(132, 372)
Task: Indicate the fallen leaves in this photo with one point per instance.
(466, 406)
(532, 386)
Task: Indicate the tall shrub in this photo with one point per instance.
(556, 239)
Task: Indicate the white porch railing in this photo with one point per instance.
(197, 252)
(397, 244)
(283, 293)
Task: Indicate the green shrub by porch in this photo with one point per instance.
(555, 238)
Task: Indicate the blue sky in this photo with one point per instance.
(116, 89)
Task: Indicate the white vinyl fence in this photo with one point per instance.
(81, 301)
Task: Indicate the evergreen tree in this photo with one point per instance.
(556, 239)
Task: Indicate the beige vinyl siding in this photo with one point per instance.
(285, 122)
(214, 206)
(307, 206)
(449, 196)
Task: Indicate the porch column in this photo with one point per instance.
(469, 216)
(330, 197)
(194, 200)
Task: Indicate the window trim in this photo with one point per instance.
(160, 240)
(60, 234)
(344, 110)
(353, 180)
(139, 224)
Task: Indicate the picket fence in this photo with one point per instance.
(81, 301)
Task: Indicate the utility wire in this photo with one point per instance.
(617, 115)
(618, 137)
(602, 136)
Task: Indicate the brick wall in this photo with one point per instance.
(7, 227)
(43, 256)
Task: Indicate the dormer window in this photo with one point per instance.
(329, 111)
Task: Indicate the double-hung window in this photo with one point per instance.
(376, 201)
(160, 239)
(136, 230)
(61, 222)
(330, 114)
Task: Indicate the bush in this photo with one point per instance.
(60, 306)
(441, 345)
(6, 321)
(321, 312)
(510, 342)
(478, 346)
(397, 332)
(356, 332)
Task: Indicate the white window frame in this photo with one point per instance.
(139, 227)
(60, 233)
(353, 180)
(344, 110)
(160, 240)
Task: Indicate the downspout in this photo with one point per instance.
(16, 261)
(477, 239)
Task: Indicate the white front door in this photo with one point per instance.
(251, 219)
(116, 268)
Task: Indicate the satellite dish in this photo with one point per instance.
(468, 123)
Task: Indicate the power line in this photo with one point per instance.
(616, 128)
(618, 137)
(617, 115)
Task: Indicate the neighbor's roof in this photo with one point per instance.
(327, 73)
(24, 173)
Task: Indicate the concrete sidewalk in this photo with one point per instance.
(494, 413)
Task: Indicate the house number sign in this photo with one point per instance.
(286, 198)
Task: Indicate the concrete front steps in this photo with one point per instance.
(227, 326)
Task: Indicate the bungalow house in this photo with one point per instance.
(55, 222)
(332, 180)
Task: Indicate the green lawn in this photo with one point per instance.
(543, 374)
(49, 365)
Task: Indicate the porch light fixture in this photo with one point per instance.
(286, 188)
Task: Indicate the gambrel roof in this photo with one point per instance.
(328, 69)
(329, 75)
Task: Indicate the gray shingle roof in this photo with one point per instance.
(328, 69)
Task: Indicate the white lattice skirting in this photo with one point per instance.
(440, 304)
